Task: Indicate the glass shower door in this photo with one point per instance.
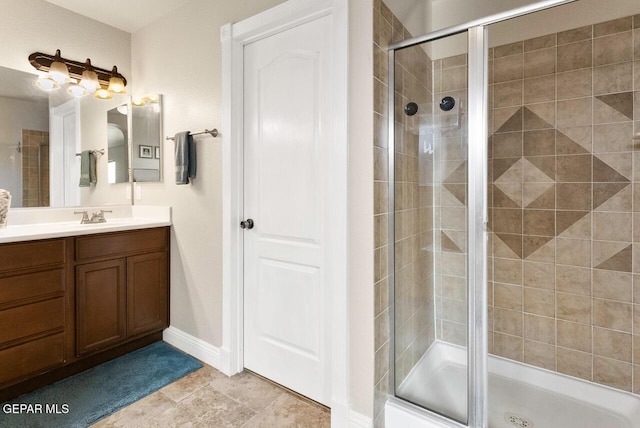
(433, 248)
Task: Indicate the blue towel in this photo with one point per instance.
(186, 161)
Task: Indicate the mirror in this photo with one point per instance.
(41, 133)
(118, 144)
(24, 139)
(146, 120)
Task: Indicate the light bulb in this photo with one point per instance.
(77, 90)
(103, 94)
(46, 83)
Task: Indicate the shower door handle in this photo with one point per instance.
(246, 224)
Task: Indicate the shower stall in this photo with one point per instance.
(513, 221)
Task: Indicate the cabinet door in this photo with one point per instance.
(101, 305)
(147, 293)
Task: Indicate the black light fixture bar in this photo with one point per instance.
(42, 62)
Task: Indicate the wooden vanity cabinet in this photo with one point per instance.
(119, 298)
(70, 303)
(36, 315)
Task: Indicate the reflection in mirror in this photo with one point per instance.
(118, 147)
(147, 138)
(40, 134)
(24, 139)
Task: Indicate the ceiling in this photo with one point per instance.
(126, 15)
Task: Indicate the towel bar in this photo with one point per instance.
(101, 152)
(213, 132)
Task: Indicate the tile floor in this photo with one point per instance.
(207, 398)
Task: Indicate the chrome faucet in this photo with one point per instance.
(96, 217)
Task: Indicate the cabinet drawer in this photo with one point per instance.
(28, 320)
(31, 357)
(31, 285)
(26, 255)
(120, 244)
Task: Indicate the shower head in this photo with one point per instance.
(447, 103)
(411, 109)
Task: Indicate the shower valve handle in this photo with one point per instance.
(246, 224)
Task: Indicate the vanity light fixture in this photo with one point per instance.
(99, 81)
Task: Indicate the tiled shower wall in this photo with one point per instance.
(35, 168)
(450, 174)
(414, 210)
(565, 201)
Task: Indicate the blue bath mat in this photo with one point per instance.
(82, 399)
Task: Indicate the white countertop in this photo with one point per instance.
(28, 228)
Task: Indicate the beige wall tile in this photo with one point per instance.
(612, 373)
(636, 379)
(574, 35)
(539, 222)
(574, 196)
(540, 354)
(612, 285)
(612, 344)
(612, 315)
(573, 252)
(574, 363)
(508, 94)
(540, 329)
(612, 27)
(572, 279)
(574, 336)
(540, 43)
(507, 271)
(508, 68)
(508, 322)
(574, 112)
(612, 138)
(574, 56)
(539, 301)
(539, 143)
(573, 168)
(507, 296)
(454, 333)
(539, 275)
(612, 226)
(572, 307)
(510, 49)
(507, 145)
(612, 79)
(540, 62)
(574, 84)
(613, 49)
(508, 346)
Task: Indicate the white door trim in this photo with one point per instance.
(233, 38)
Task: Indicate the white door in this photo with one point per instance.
(287, 126)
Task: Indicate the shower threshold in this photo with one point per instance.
(519, 395)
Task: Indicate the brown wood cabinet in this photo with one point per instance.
(67, 304)
(36, 323)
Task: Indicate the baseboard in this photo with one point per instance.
(193, 346)
(358, 420)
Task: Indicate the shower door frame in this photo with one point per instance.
(477, 209)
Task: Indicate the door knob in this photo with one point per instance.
(246, 224)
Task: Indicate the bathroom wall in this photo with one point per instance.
(565, 191)
(414, 220)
